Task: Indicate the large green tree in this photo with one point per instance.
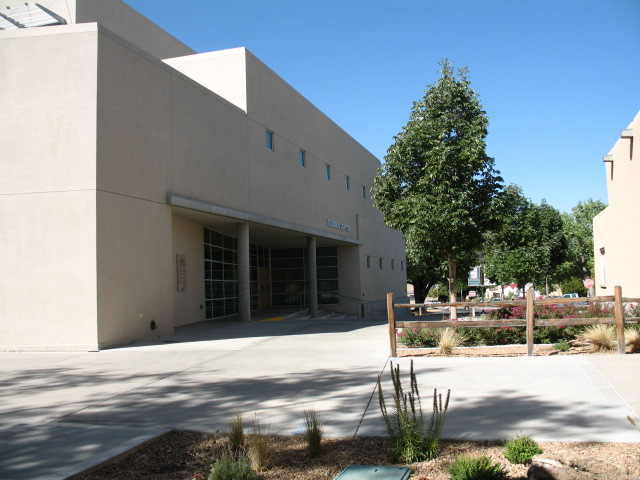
(530, 244)
(578, 229)
(437, 184)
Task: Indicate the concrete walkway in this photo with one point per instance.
(63, 412)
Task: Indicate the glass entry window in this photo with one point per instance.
(288, 267)
(278, 276)
(327, 267)
(289, 276)
(220, 274)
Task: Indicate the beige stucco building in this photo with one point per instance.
(144, 186)
(617, 227)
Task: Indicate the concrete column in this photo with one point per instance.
(244, 273)
(312, 276)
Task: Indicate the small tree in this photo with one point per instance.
(437, 185)
(529, 246)
(578, 230)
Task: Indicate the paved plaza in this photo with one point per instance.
(62, 412)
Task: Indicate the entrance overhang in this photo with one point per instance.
(266, 231)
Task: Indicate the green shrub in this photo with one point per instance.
(412, 441)
(228, 468)
(470, 468)
(562, 346)
(521, 449)
(313, 431)
(419, 337)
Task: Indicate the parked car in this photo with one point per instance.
(570, 295)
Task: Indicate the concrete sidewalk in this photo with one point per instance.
(63, 412)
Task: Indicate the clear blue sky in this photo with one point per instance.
(559, 79)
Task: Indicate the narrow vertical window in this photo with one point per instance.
(380, 262)
(392, 265)
(302, 159)
(269, 139)
(603, 261)
(401, 265)
(364, 192)
(327, 171)
(368, 261)
(347, 182)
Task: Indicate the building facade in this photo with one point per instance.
(616, 252)
(146, 187)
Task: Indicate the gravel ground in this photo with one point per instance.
(183, 455)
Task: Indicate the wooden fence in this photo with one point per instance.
(529, 322)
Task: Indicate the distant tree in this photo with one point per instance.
(578, 230)
(437, 184)
(529, 246)
(574, 285)
(424, 270)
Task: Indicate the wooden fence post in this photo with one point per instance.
(391, 316)
(619, 315)
(529, 317)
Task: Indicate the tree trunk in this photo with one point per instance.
(418, 290)
(453, 311)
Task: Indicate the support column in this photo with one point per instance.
(244, 273)
(312, 276)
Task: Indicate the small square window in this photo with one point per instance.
(347, 182)
(269, 139)
(364, 192)
(302, 158)
(327, 171)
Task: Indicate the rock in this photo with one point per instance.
(562, 467)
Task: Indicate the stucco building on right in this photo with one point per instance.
(617, 228)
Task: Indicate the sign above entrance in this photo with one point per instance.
(338, 225)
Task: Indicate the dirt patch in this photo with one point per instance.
(188, 455)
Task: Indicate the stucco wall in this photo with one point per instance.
(47, 188)
(134, 277)
(188, 306)
(617, 227)
(388, 245)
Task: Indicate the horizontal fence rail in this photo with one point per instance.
(530, 322)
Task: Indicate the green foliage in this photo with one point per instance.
(466, 467)
(419, 337)
(236, 433)
(313, 431)
(529, 246)
(634, 423)
(578, 230)
(228, 468)
(521, 449)
(562, 346)
(574, 285)
(437, 184)
(412, 439)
